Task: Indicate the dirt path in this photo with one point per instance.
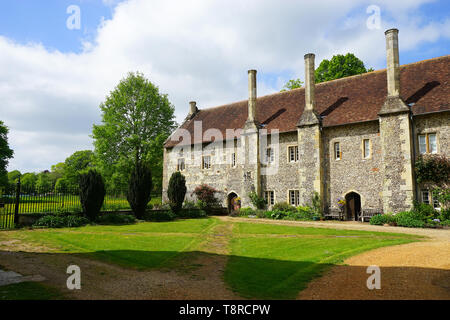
(419, 270)
(198, 278)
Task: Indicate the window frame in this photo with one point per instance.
(209, 162)
(233, 160)
(337, 151)
(427, 144)
(179, 166)
(296, 194)
(271, 201)
(295, 153)
(270, 157)
(364, 149)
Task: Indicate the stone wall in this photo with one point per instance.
(438, 123)
(352, 172)
(396, 151)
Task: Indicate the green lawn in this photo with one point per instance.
(264, 265)
(265, 262)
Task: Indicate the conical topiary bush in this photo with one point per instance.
(139, 189)
(92, 193)
(176, 191)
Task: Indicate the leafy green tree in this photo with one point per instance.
(79, 162)
(340, 66)
(44, 182)
(136, 120)
(13, 177)
(292, 84)
(176, 191)
(28, 181)
(139, 189)
(5, 154)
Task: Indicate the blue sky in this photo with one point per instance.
(53, 79)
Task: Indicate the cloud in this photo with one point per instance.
(193, 50)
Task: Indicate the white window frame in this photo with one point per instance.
(206, 165)
(269, 196)
(337, 151)
(233, 159)
(181, 164)
(426, 144)
(270, 156)
(292, 153)
(367, 149)
(294, 197)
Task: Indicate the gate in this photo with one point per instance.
(9, 208)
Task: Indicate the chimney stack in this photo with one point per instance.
(193, 108)
(310, 82)
(251, 96)
(393, 64)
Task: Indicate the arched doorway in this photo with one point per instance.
(234, 204)
(353, 206)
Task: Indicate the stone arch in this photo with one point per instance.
(232, 205)
(353, 205)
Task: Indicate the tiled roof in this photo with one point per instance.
(424, 85)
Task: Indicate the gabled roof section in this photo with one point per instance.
(424, 87)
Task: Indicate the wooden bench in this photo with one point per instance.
(369, 213)
(335, 214)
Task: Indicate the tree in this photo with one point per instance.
(136, 120)
(79, 162)
(28, 181)
(92, 193)
(340, 66)
(44, 182)
(5, 154)
(292, 84)
(139, 189)
(176, 191)
(13, 177)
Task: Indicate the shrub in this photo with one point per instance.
(257, 201)
(283, 206)
(75, 221)
(278, 215)
(423, 211)
(159, 215)
(52, 221)
(92, 193)
(246, 211)
(378, 220)
(206, 196)
(176, 191)
(189, 205)
(317, 204)
(116, 218)
(304, 213)
(433, 169)
(408, 219)
(191, 213)
(139, 188)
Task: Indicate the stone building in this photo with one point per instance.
(355, 138)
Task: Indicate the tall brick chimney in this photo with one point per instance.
(310, 81)
(393, 101)
(393, 63)
(192, 108)
(309, 115)
(251, 96)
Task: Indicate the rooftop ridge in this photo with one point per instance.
(326, 82)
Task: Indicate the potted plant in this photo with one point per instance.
(341, 205)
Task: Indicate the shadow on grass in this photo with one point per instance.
(250, 278)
